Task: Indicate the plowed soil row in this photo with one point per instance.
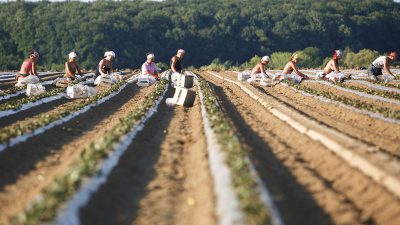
(360, 85)
(360, 126)
(42, 109)
(375, 102)
(163, 177)
(28, 167)
(310, 184)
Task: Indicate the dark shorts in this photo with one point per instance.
(373, 71)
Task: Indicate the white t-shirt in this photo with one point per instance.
(379, 62)
(151, 68)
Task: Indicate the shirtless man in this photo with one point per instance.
(28, 67)
(382, 62)
(331, 70)
(292, 66)
(333, 64)
(260, 67)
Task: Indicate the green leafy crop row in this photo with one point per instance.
(236, 158)
(386, 84)
(387, 112)
(21, 128)
(385, 94)
(14, 104)
(11, 90)
(87, 165)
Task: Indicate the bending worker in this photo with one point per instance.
(149, 67)
(382, 62)
(176, 61)
(28, 67)
(71, 66)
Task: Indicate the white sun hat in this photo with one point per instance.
(265, 58)
(72, 55)
(339, 53)
(111, 53)
(150, 56)
(181, 51)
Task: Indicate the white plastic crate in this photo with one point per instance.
(183, 96)
(34, 89)
(80, 91)
(105, 80)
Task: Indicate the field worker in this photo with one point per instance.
(71, 66)
(289, 68)
(28, 67)
(149, 67)
(382, 62)
(259, 69)
(331, 70)
(105, 65)
(176, 61)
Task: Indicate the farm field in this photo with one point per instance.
(311, 153)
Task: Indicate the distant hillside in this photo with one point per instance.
(208, 29)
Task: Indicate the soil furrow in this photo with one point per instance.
(375, 102)
(163, 178)
(27, 168)
(363, 127)
(310, 184)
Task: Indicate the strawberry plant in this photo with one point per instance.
(87, 165)
(236, 159)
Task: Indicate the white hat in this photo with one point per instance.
(339, 53)
(35, 53)
(72, 55)
(111, 53)
(265, 58)
(181, 51)
(150, 56)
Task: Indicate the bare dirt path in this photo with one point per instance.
(163, 178)
(310, 184)
(27, 168)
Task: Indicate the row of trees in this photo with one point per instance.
(232, 30)
(310, 57)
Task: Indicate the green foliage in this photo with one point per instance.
(163, 66)
(225, 29)
(217, 65)
(363, 58)
(250, 64)
(310, 57)
(279, 59)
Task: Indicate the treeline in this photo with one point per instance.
(310, 57)
(233, 30)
